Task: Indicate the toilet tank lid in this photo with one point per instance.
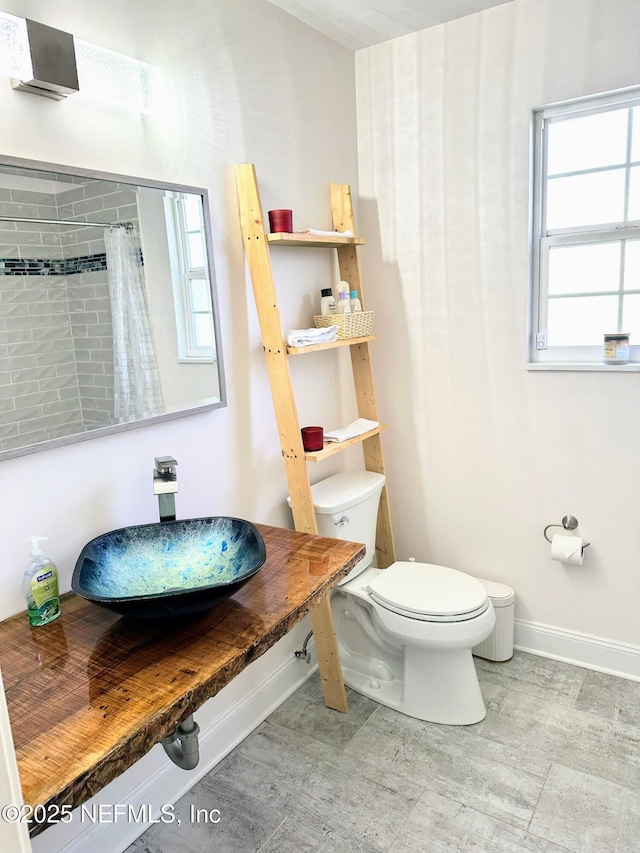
(344, 490)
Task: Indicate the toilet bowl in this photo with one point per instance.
(407, 653)
(404, 633)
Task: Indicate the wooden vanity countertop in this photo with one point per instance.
(92, 692)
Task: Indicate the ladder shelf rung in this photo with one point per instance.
(332, 447)
(313, 240)
(345, 342)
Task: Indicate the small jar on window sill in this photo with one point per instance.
(616, 348)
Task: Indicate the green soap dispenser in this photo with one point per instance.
(40, 586)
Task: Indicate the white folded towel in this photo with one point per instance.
(307, 337)
(326, 233)
(351, 430)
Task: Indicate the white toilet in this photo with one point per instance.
(405, 633)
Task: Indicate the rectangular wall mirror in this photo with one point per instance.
(108, 310)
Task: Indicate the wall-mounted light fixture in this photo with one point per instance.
(46, 61)
(53, 63)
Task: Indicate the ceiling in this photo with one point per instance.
(361, 23)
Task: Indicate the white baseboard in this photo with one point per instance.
(585, 650)
(154, 781)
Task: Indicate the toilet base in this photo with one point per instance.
(457, 701)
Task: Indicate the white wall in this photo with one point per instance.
(243, 82)
(482, 454)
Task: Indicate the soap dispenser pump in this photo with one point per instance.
(40, 586)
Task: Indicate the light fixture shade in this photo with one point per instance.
(15, 58)
(53, 60)
(114, 78)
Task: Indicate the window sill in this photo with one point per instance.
(631, 367)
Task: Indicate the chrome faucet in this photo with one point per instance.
(165, 485)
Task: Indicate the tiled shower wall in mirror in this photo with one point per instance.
(56, 343)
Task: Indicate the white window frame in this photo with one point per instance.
(182, 275)
(539, 356)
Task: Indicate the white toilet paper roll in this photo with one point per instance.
(567, 548)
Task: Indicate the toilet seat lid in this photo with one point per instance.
(429, 592)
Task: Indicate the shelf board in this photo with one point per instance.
(345, 342)
(328, 242)
(332, 447)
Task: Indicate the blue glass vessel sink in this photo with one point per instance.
(169, 569)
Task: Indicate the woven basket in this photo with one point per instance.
(349, 325)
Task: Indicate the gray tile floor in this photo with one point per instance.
(554, 767)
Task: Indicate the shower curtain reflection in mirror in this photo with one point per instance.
(137, 392)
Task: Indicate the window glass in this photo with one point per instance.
(200, 297)
(635, 136)
(634, 193)
(588, 199)
(588, 142)
(196, 250)
(192, 213)
(203, 330)
(581, 320)
(631, 317)
(590, 267)
(632, 265)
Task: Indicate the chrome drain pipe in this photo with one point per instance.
(182, 745)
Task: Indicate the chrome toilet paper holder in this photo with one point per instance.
(569, 522)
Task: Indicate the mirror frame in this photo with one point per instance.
(43, 166)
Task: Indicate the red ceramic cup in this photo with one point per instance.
(312, 438)
(281, 220)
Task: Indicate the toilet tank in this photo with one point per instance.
(346, 507)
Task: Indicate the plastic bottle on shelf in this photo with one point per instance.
(328, 304)
(354, 302)
(343, 287)
(343, 303)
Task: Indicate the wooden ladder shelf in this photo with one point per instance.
(258, 245)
